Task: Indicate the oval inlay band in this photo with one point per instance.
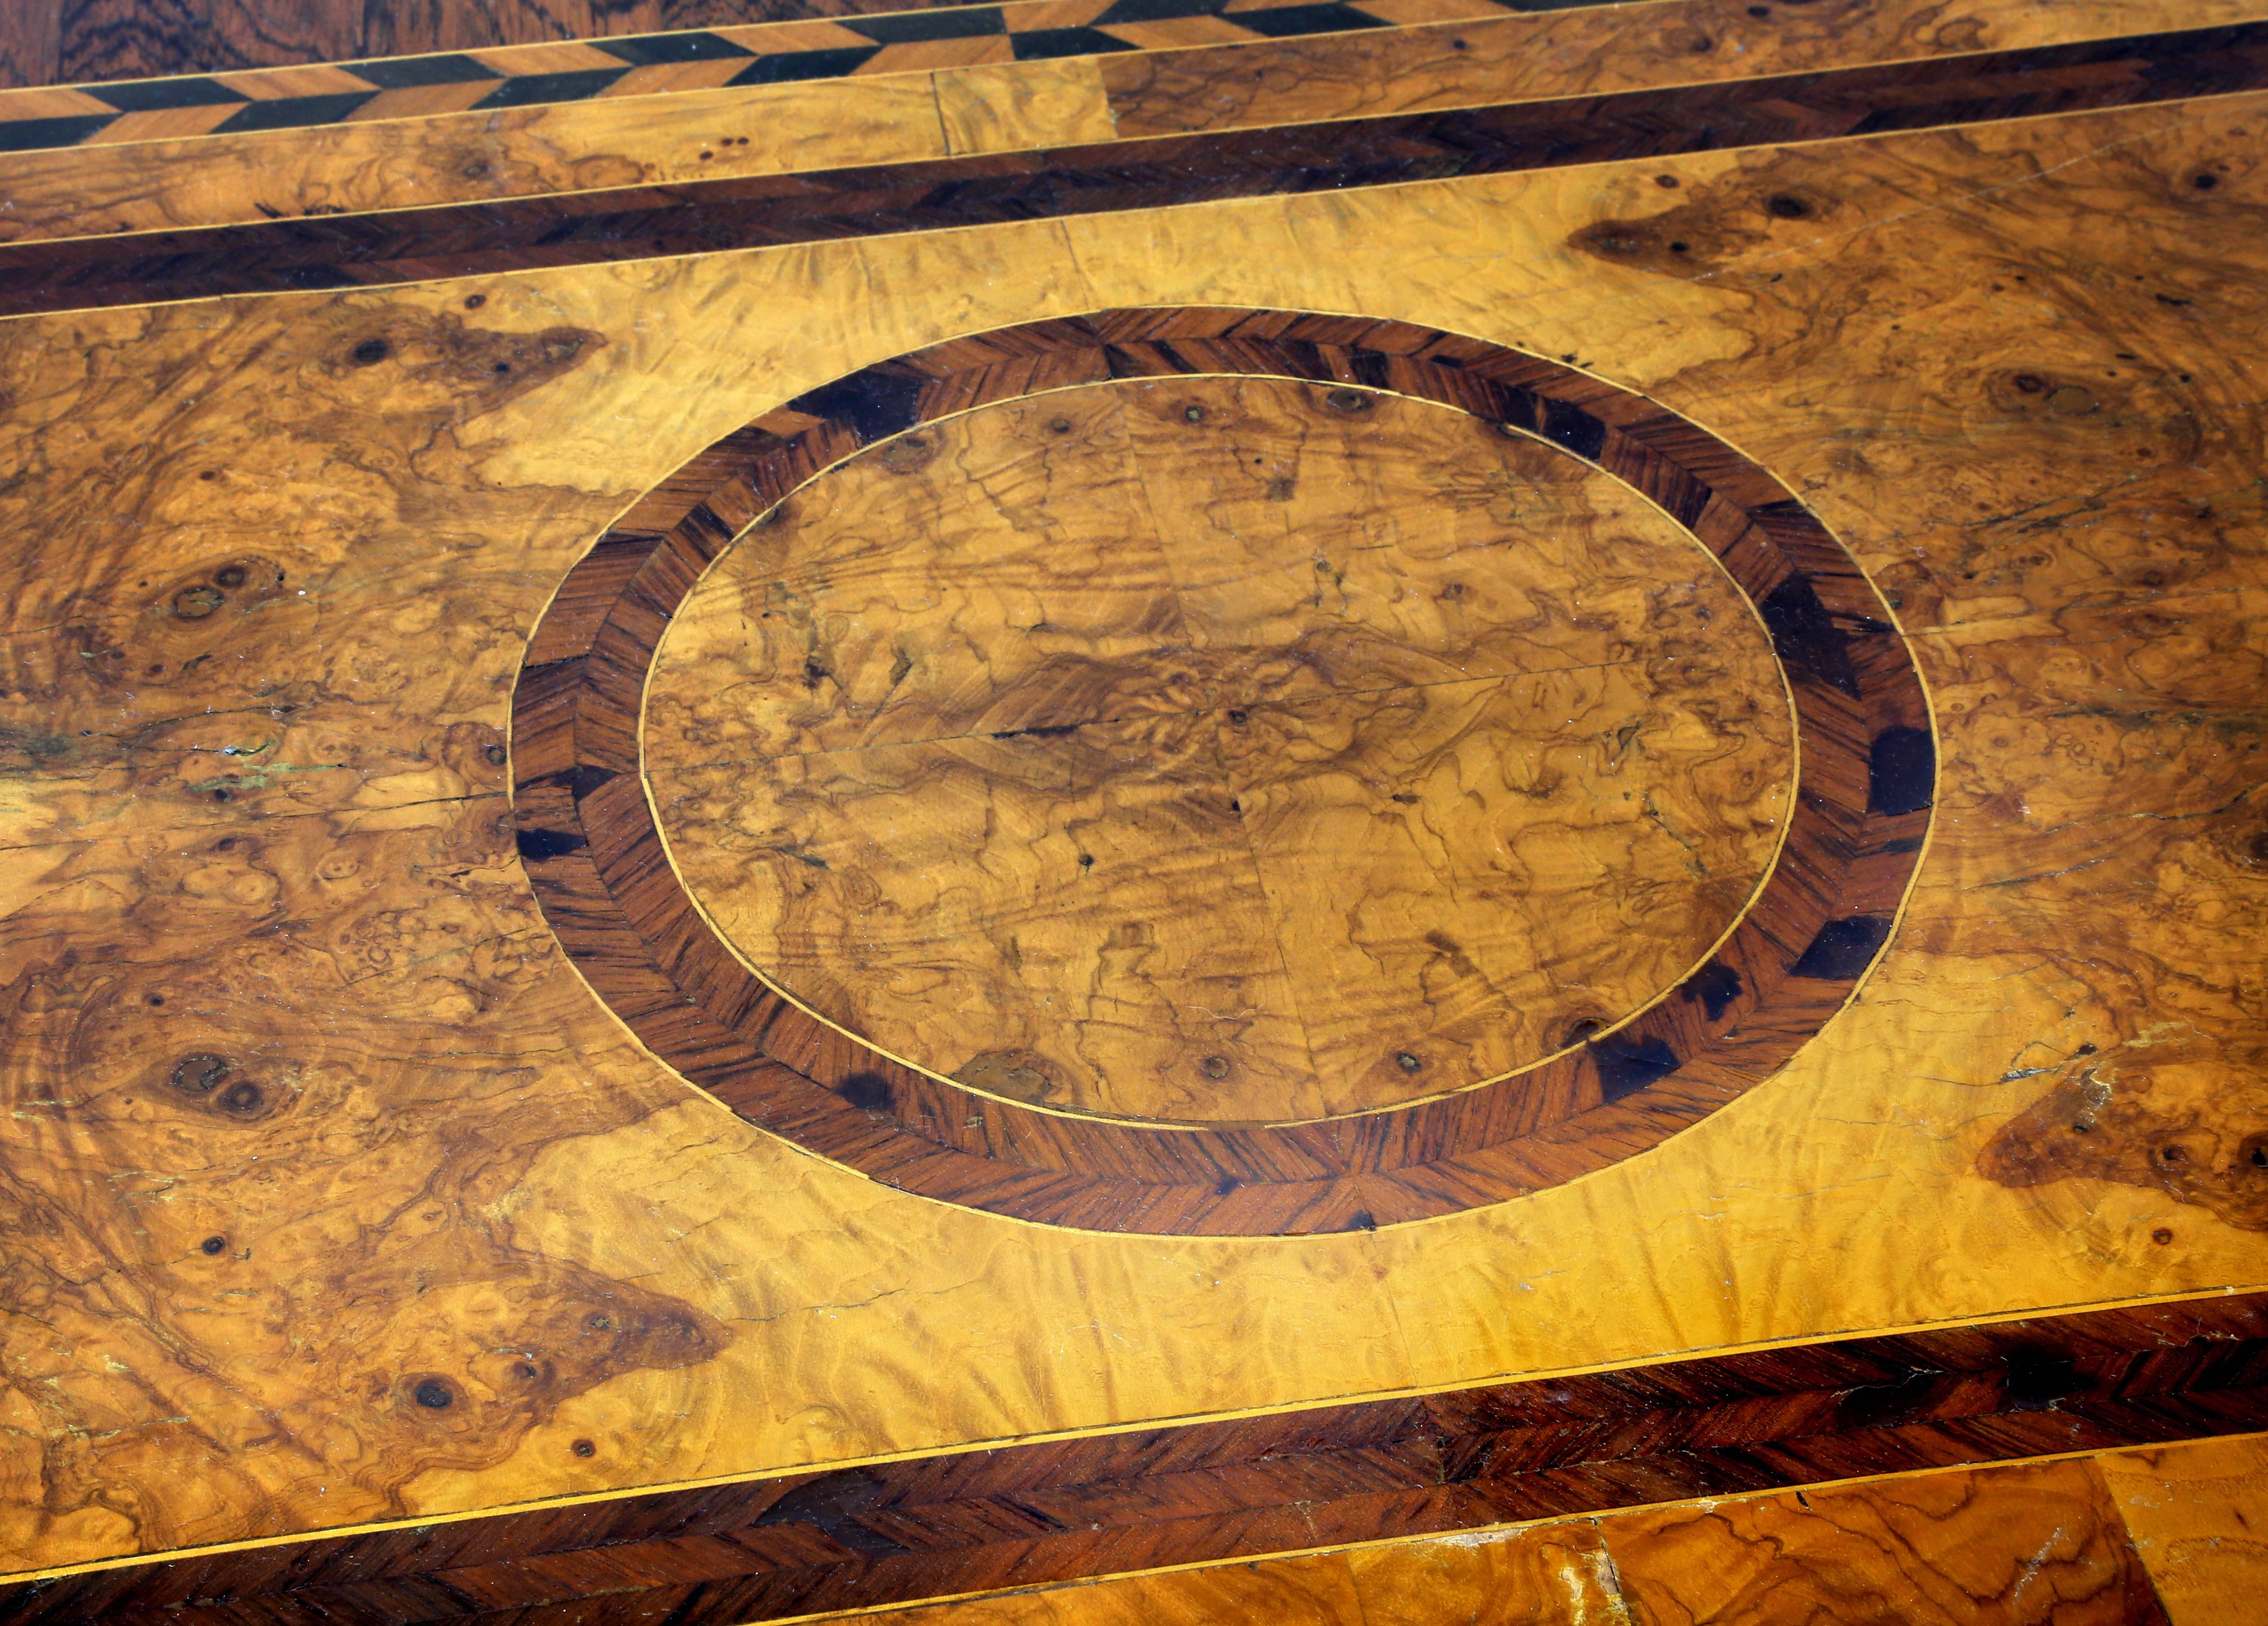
(1812, 930)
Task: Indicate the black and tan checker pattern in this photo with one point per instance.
(524, 75)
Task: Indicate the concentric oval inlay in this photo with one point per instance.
(1221, 772)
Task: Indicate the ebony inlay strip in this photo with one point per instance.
(344, 251)
(596, 864)
(1023, 1515)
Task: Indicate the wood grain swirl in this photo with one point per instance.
(2039, 1546)
(1220, 749)
(2157, 714)
(356, 1342)
(1823, 913)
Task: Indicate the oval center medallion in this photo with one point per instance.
(1219, 749)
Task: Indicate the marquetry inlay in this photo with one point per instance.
(957, 650)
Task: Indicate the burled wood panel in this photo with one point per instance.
(294, 1255)
(269, 611)
(2041, 1544)
(1158, 547)
(1220, 749)
(1012, 107)
(2100, 359)
(2044, 1543)
(2147, 808)
(1460, 872)
(1854, 351)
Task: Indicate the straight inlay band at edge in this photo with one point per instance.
(861, 40)
(694, 133)
(1785, 1416)
(416, 244)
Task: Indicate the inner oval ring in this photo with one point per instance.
(1591, 1032)
(1815, 924)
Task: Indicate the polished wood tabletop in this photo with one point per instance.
(1124, 810)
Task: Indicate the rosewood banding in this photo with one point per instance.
(599, 870)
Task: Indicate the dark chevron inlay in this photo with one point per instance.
(1145, 1498)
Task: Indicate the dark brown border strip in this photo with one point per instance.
(597, 865)
(1024, 1515)
(370, 250)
